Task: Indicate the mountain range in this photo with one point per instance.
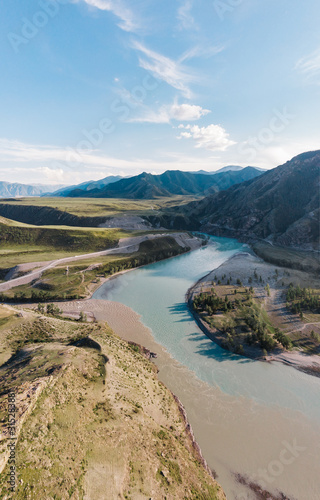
(281, 205)
(15, 190)
(172, 182)
(86, 186)
(227, 168)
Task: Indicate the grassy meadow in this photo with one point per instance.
(77, 279)
(23, 243)
(97, 207)
(287, 257)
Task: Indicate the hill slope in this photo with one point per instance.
(281, 205)
(172, 182)
(92, 418)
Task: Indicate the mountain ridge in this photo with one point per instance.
(87, 185)
(15, 189)
(281, 205)
(171, 182)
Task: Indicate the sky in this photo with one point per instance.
(91, 88)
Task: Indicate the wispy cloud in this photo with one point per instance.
(128, 21)
(212, 137)
(310, 66)
(51, 164)
(21, 152)
(166, 69)
(185, 17)
(200, 51)
(167, 113)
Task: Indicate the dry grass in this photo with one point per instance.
(96, 207)
(97, 423)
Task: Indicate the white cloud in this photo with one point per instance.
(128, 21)
(212, 137)
(185, 17)
(34, 164)
(277, 153)
(310, 66)
(186, 112)
(58, 157)
(165, 114)
(54, 175)
(200, 51)
(166, 69)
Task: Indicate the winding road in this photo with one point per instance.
(126, 245)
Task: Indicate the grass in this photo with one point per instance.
(240, 317)
(13, 237)
(97, 207)
(88, 431)
(72, 281)
(287, 257)
(22, 243)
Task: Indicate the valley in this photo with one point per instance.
(159, 250)
(73, 268)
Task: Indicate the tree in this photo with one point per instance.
(83, 317)
(41, 308)
(53, 310)
(315, 336)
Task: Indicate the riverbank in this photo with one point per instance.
(130, 245)
(231, 402)
(243, 266)
(92, 420)
(133, 252)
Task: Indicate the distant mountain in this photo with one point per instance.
(15, 190)
(87, 186)
(228, 168)
(281, 205)
(172, 182)
(234, 168)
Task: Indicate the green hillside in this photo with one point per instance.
(172, 182)
(281, 205)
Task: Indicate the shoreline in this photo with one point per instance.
(125, 271)
(125, 246)
(218, 409)
(307, 363)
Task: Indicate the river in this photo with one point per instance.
(251, 418)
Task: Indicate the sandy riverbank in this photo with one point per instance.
(227, 428)
(242, 266)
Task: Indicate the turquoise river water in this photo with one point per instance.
(258, 419)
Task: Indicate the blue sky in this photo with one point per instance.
(91, 88)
